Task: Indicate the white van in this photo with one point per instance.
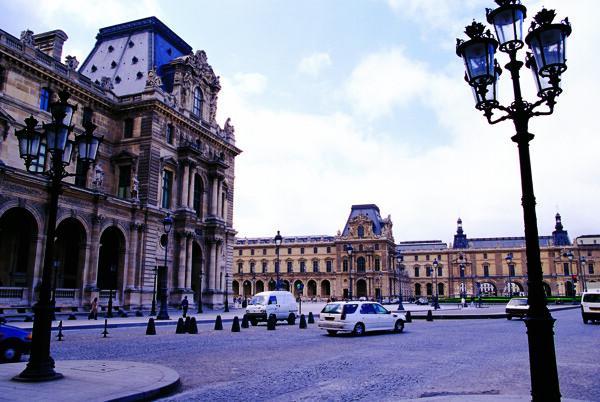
(279, 302)
(590, 306)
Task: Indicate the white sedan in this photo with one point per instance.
(358, 317)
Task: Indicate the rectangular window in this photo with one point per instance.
(416, 272)
(45, 100)
(328, 250)
(316, 250)
(251, 267)
(289, 251)
(170, 131)
(302, 266)
(345, 266)
(240, 268)
(87, 115)
(591, 268)
(128, 128)
(377, 264)
(416, 258)
(252, 252)
(485, 256)
(124, 181)
(81, 178)
(39, 164)
(167, 189)
(426, 258)
(315, 266)
(566, 268)
(197, 195)
(264, 251)
(376, 246)
(329, 266)
(428, 271)
(486, 270)
(264, 267)
(302, 250)
(240, 252)
(290, 267)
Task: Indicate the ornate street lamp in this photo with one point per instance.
(153, 311)
(349, 250)
(436, 303)
(226, 294)
(509, 262)
(56, 133)
(278, 240)
(463, 290)
(547, 43)
(163, 314)
(400, 259)
(200, 293)
(573, 286)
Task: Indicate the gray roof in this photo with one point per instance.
(369, 210)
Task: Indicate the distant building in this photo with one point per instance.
(154, 100)
(468, 267)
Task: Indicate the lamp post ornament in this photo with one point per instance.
(546, 41)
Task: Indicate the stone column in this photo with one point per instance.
(185, 184)
(192, 182)
(92, 274)
(132, 254)
(215, 196)
(182, 258)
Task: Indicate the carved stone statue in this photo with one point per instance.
(153, 80)
(72, 62)
(27, 37)
(229, 129)
(98, 177)
(135, 183)
(106, 83)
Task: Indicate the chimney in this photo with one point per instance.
(51, 43)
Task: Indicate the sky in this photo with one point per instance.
(345, 102)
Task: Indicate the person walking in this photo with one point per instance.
(94, 310)
(184, 306)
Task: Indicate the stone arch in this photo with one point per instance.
(488, 289)
(296, 283)
(235, 288)
(311, 288)
(19, 233)
(196, 283)
(361, 288)
(259, 286)
(325, 288)
(111, 261)
(70, 250)
(417, 289)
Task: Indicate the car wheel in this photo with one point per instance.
(399, 327)
(359, 329)
(585, 320)
(509, 317)
(292, 319)
(253, 322)
(331, 331)
(10, 352)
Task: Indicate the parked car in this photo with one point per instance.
(14, 342)
(516, 307)
(590, 306)
(279, 303)
(421, 301)
(358, 317)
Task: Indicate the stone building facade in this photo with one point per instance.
(154, 100)
(467, 267)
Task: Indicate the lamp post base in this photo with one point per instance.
(542, 359)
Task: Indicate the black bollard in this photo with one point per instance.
(151, 329)
(60, 335)
(408, 317)
(429, 315)
(302, 322)
(179, 329)
(72, 317)
(271, 323)
(311, 319)
(218, 324)
(186, 326)
(193, 327)
(236, 324)
(139, 313)
(28, 318)
(245, 323)
(105, 328)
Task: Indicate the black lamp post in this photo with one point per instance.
(56, 133)
(509, 262)
(226, 293)
(573, 286)
(463, 290)
(547, 42)
(109, 314)
(349, 250)
(200, 293)
(400, 259)
(56, 268)
(380, 286)
(436, 303)
(163, 314)
(583, 267)
(155, 272)
(278, 240)
(253, 285)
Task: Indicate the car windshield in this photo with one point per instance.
(518, 302)
(333, 308)
(259, 300)
(592, 298)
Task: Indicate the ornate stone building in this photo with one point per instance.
(154, 100)
(468, 267)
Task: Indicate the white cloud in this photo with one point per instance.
(250, 83)
(313, 64)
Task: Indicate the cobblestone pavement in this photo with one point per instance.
(447, 358)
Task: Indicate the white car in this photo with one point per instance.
(358, 317)
(516, 307)
(590, 306)
(279, 303)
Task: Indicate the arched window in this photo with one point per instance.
(360, 264)
(361, 231)
(45, 99)
(198, 102)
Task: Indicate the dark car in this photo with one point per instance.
(14, 342)
(421, 301)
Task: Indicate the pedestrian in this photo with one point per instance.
(184, 306)
(94, 310)
(462, 302)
